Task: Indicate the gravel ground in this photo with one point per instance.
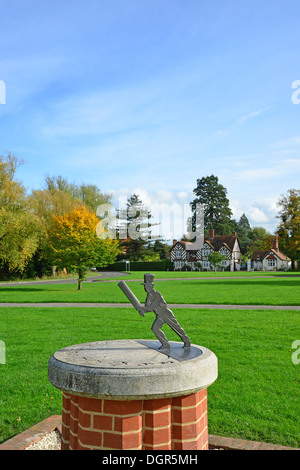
(50, 441)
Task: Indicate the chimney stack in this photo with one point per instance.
(211, 234)
(174, 242)
(275, 243)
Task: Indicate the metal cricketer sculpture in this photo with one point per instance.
(156, 303)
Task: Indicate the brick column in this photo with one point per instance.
(101, 424)
(190, 431)
(157, 424)
(157, 411)
(178, 423)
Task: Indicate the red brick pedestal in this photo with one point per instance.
(129, 395)
(178, 423)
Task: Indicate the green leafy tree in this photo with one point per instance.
(89, 194)
(260, 239)
(215, 258)
(163, 249)
(289, 227)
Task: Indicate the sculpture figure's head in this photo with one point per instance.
(148, 282)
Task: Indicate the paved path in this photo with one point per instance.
(96, 278)
(128, 305)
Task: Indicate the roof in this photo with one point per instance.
(220, 240)
(188, 246)
(261, 254)
(215, 243)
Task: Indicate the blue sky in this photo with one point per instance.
(149, 95)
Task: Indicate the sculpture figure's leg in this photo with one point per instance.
(173, 323)
(157, 324)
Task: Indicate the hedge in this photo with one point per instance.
(162, 265)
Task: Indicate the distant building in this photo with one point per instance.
(183, 255)
(271, 260)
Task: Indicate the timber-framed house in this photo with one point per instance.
(183, 254)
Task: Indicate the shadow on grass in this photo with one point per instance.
(26, 289)
(242, 282)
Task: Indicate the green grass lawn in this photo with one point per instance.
(256, 395)
(247, 290)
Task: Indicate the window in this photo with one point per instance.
(177, 253)
(206, 264)
(205, 252)
(178, 264)
(271, 262)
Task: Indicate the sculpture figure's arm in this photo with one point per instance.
(153, 300)
(148, 307)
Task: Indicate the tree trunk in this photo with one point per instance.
(81, 276)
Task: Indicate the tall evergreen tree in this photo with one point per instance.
(217, 213)
(134, 227)
(243, 230)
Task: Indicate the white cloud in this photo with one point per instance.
(257, 216)
(248, 116)
(276, 170)
(269, 204)
(292, 141)
(237, 208)
(239, 122)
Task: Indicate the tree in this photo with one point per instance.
(75, 245)
(289, 227)
(243, 230)
(46, 203)
(89, 194)
(49, 202)
(163, 249)
(57, 198)
(260, 239)
(215, 258)
(19, 226)
(217, 214)
(134, 223)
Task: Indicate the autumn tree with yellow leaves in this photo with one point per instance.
(19, 225)
(75, 244)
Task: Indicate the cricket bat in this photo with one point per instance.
(129, 294)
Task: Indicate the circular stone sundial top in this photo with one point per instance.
(125, 354)
(130, 369)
